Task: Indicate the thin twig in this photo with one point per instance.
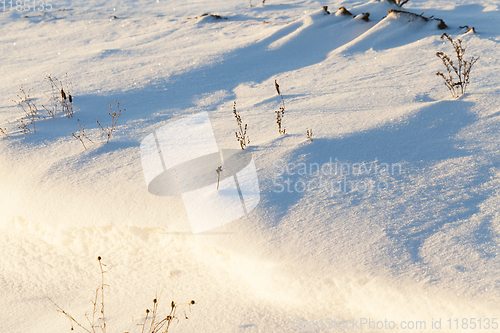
(68, 315)
(280, 114)
(103, 326)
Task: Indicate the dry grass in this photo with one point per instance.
(108, 130)
(309, 134)
(81, 136)
(218, 170)
(241, 136)
(153, 321)
(60, 96)
(458, 77)
(280, 114)
(26, 101)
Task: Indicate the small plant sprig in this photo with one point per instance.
(309, 134)
(93, 322)
(27, 103)
(107, 131)
(60, 95)
(156, 325)
(164, 324)
(3, 131)
(67, 103)
(218, 170)
(280, 114)
(80, 135)
(23, 126)
(241, 136)
(102, 319)
(461, 70)
(54, 97)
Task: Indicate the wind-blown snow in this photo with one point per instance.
(423, 247)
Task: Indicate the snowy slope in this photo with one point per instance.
(422, 245)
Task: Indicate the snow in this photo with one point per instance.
(420, 244)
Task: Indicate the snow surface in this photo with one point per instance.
(426, 247)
